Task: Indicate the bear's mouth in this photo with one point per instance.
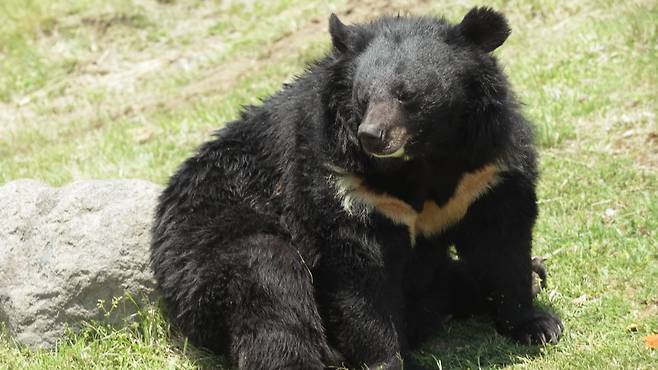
(394, 147)
(397, 153)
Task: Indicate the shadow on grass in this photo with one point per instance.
(474, 344)
(202, 358)
(461, 344)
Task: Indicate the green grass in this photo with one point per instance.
(130, 89)
(145, 341)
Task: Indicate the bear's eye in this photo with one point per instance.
(403, 95)
(408, 100)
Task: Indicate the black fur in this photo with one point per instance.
(257, 257)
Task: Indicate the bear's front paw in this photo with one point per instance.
(537, 327)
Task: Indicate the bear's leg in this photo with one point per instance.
(362, 306)
(447, 290)
(234, 284)
(452, 293)
(367, 335)
(273, 321)
(495, 244)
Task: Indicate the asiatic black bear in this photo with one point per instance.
(315, 229)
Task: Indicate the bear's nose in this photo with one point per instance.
(371, 138)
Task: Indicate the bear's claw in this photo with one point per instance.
(538, 328)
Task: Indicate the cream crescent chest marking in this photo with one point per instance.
(357, 199)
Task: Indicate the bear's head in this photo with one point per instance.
(407, 88)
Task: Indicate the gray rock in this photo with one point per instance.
(64, 249)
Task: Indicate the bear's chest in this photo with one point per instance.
(359, 200)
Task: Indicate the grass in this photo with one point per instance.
(145, 342)
(121, 88)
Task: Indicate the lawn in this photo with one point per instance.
(128, 89)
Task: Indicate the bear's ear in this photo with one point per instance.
(485, 28)
(339, 33)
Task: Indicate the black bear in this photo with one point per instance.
(315, 230)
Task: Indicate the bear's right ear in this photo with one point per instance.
(484, 27)
(339, 33)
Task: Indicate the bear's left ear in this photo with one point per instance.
(339, 33)
(484, 27)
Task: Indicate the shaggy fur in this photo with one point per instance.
(315, 229)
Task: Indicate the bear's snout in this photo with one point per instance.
(383, 132)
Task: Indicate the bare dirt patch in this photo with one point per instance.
(113, 80)
(632, 132)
